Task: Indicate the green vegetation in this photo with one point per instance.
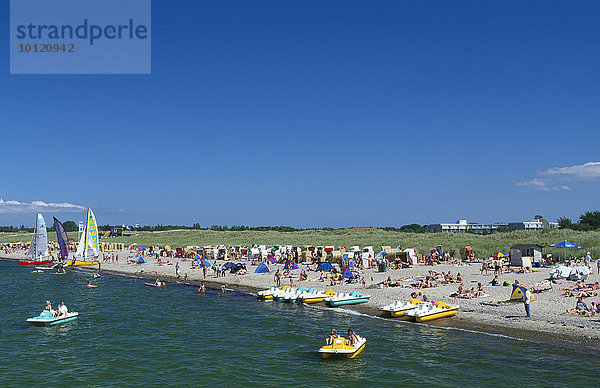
(484, 245)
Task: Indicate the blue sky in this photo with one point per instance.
(318, 113)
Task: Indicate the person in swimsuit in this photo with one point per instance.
(351, 338)
(332, 335)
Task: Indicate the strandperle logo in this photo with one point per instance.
(80, 36)
(85, 31)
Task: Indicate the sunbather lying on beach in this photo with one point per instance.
(580, 308)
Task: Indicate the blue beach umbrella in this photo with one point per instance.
(565, 244)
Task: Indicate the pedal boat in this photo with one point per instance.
(399, 308)
(343, 298)
(340, 348)
(290, 295)
(316, 297)
(428, 312)
(46, 319)
(267, 294)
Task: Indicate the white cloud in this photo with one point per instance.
(551, 177)
(543, 185)
(586, 171)
(16, 207)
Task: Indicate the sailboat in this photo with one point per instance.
(63, 240)
(38, 248)
(87, 249)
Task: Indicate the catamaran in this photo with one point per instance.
(38, 248)
(87, 250)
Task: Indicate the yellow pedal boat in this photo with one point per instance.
(399, 308)
(428, 312)
(316, 298)
(340, 348)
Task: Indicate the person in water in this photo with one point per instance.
(202, 288)
(351, 338)
(332, 336)
(158, 282)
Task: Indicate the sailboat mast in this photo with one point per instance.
(34, 240)
(85, 247)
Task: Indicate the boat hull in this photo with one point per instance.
(343, 351)
(44, 321)
(81, 262)
(399, 314)
(336, 303)
(24, 262)
(431, 317)
(313, 300)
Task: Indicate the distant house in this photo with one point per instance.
(532, 225)
(362, 227)
(524, 255)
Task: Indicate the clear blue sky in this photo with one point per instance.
(319, 113)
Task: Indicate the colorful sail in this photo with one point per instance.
(63, 240)
(92, 234)
(88, 243)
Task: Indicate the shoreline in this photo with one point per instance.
(509, 321)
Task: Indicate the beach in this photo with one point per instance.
(549, 320)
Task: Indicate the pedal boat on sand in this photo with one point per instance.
(343, 298)
(46, 319)
(428, 312)
(399, 308)
(268, 294)
(340, 348)
(316, 297)
(289, 295)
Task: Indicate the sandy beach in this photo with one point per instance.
(549, 320)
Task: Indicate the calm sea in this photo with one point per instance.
(129, 334)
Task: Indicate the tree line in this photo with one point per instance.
(589, 220)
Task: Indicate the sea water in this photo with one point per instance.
(129, 334)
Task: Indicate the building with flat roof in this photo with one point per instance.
(532, 225)
(462, 226)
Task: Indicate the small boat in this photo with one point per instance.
(343, 298)
(268, 294)
(428, 312)
(317, 297)
(341, 348)
(155, 285)
(45, 268)
(289, 295)
(46, 319)
(399, 308)
(38, 254)
(87, 249)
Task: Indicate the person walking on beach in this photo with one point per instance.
(527, 301)
(177, 269)
(277, 278)
(598, 265)
(588, 258)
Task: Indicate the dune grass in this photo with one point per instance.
(484, 245)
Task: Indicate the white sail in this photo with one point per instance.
(41, 240)
(31, 251)
(79, 253)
